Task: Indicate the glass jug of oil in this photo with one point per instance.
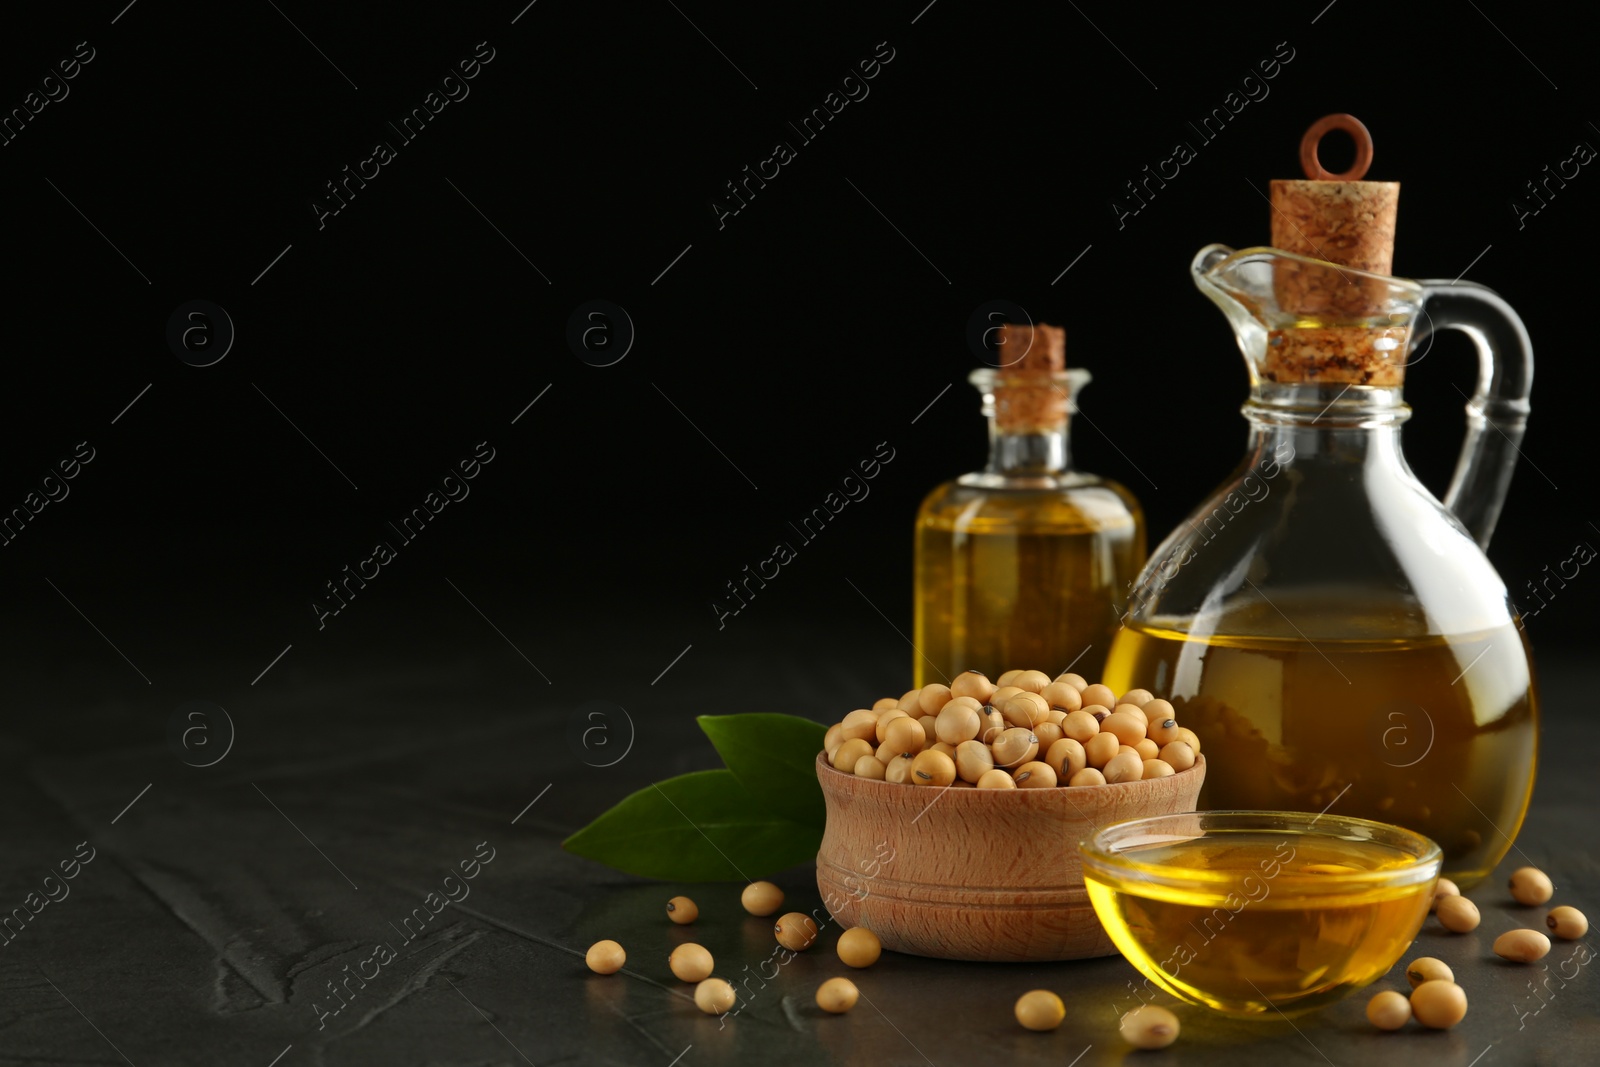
(1024, 564)
(1334, 634)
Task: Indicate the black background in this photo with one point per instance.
(796, 338)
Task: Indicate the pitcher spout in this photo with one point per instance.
(1299, 319)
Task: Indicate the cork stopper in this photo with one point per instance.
(1342, 220)
(1030, 391)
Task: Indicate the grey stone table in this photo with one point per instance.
(218, 904)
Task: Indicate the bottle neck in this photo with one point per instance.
(1034, 454)
(1028, 419)
(1316, 423)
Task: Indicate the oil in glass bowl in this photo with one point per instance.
(1260, 914)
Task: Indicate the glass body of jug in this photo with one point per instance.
(1333, 633)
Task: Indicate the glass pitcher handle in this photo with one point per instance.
(1497, 413)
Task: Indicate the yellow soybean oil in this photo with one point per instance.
(1433, 733)
(1274, 935)
(1023, 579)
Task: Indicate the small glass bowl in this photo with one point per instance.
(1260, 914)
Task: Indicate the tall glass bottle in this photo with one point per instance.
(1025, 563)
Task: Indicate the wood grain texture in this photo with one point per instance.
(976, 874)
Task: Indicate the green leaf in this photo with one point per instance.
(697, 827)
(775, 758)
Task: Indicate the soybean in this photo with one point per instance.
(1066, 757)
(691, 962)
(1178, 753)
(993, 724)
(1158, 710)
(1126, 728)
(761, 898)
(605, 957)
(859, 947)
(932, 768)
(1080, 726)
(1567, 922)
(1100, 748)
(1124, 767)
(957, 723)
(860, 723)
(973, 760)
(1439, 1005)
(973, 684)
(1133, 710)
(1063, 696)
(845, 756)
(1149, 1027)
(1522, 946)
(795, 931)
(1388, 1010)
(1015, 747)
(1427, 969)
(1530, 885)
(934, 697)
(999, 697)
(1163, 731)
(1046, 734)
(870, 767)
(714, 996)
(1035, 775)
(1457, 914)
(905, 734)
(888, 716)
(1099, 694)
(837, 995)
(1025, 709)
(1032, 681)
(1040, 1010)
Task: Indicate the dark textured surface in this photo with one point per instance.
(206, 927)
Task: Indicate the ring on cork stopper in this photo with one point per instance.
(1343, 221)
(1030, 392)
(1312, 165)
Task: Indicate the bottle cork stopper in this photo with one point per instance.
(1030, 391)
(1342, 220)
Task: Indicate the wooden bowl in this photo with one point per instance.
(976, 874)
